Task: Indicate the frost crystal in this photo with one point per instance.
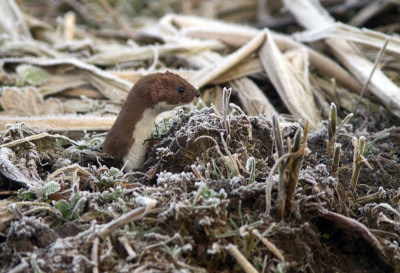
(26, 227)
(321, 169)
(165, 178)
(329, 182)
(206, 221)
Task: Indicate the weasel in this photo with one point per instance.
(149, 97)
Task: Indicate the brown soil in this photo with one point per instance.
(203, 205)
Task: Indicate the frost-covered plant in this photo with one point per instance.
(230, 160)
(161, 127)
(288, 168)
(178, 179)
(208, 196)
(71, 210)
(358, 160)
(26, 195)
(336, 158)
(34, 263)
(111, 176)
(226, 93)
(41, 193)
(113, 194)
(369, 146)
(32, 75)
(88, 142)
(380, 194)
(251, 167)
(333, 130)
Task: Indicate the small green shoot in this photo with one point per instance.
(369, 145)
(208, 194)
(240, 213)
(41, 193)
(251, 167)
(336, 158)
(258, 263)
(88, 142)
(288, 168)
(158, 134)
(216, 171)
(60, 141)
(358, 160)
(35, 266)
(230, 160)
(64, 208)
(173, 251)
(249, 241)
(110, 177)
(113, 194)
(282, 267)
(33, 75)
(70, 211)
(325, 236)
(226, 93)
(333, 130)
(26, 195)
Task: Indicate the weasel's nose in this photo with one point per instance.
(197, 95)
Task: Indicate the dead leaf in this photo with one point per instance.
(28, 102)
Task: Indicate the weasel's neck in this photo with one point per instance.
(142, 131)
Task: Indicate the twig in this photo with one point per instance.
(95, 255)
(336, 158)
(128, 31)
(269, 245)
(350, 224)
(69, 26)
(35, 137)
(243, 262)
(378, 161)
(377, 61)
(226, 94)
(358, 159)
(131, 253)
(126, 218)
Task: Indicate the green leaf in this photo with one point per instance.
(32, 74)
(113, 194)
(50, 188)
(26, 195)
(64, 208)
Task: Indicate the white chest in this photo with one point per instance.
(141, 132)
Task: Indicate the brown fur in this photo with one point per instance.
(146, 93)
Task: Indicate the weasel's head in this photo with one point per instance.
(172, 90)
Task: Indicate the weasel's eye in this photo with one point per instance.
(180, 89)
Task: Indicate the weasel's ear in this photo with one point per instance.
(157, 87)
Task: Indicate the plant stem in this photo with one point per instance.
(336, 158)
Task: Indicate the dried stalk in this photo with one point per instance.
(95, 255)
(292, 86)
(63, 123)
(311, 15)
(289, 168)
(269, 245)
(35, 137)
(336, 158)
(358, 160)
(133, 215)
(352, 225)
(209, 73)
(243, 262)
(377, 61)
